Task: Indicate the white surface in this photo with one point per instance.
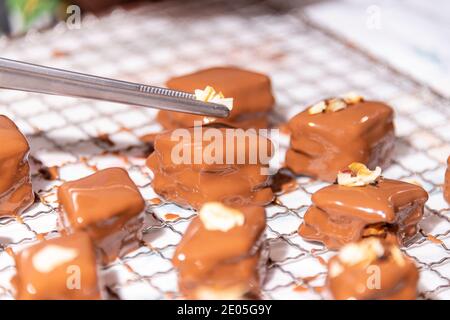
(413, 35)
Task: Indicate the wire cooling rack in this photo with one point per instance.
(149, 44)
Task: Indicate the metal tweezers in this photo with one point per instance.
(17, 75)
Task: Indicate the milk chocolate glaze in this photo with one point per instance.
(191, 184)
(251, 91)
(106, 205)
(341, 214)
(219, 264)
(324, 143)
(385, 275)
(61, 268)
(16, 193)
(447, 182)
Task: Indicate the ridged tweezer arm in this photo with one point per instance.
(23, 76)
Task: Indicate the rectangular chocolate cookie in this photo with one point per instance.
(372, 269)
(106, 205)
(341, 214)
(251, 92)
(61, 268)
(16, 193)
(220, 255)
(325, 141)
(190, 181)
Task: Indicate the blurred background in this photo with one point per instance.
(410, 34)
(18, 16)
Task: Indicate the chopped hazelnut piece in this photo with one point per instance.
(352, 97)
(210, 95)
(318, 108)
(336, 105)
(359, 175)
(365, 251)
(217, 217)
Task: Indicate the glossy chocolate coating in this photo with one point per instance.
(324, 143)
(16, 193)
(194, 184)
(51, 269)
(342, 214)
(221, 261)
(447, 182)
(397, 281)
(251, 92)
(106, 205)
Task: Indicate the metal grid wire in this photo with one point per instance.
(149, 44)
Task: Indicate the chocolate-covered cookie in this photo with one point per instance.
(106, 205)
(16, 193)
(57, 269)
(190, 168)
(221, 253)
(251, 93)
(372, 269)
(362, 204)
(335, 132)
